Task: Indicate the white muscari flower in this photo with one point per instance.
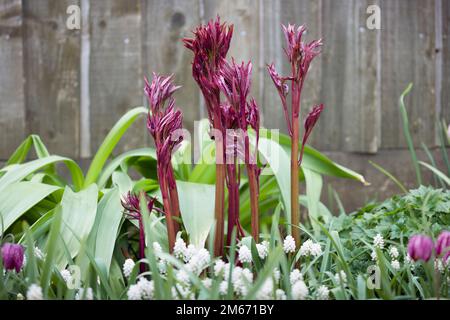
(341, 278)
(183, 292)
(81, 295)
(179, 249)
(182, 277)
(323, 293)
(280, 294)
(66, 275)
(223, 288)
(276, 274)
(299, 291)
(245, 255)
(439, 266)
(393, 251)
(190, 252)
(207, 282)
(134, 292)
(263, 249)
(241, 279)
(199, 261)
(378, 241)
(38, 253)
(127, 267)
(374, 256)
(146, 287)
(295, 276)
(310, 248)
(289, 244)
(157, 248)
(395, 264)
(34, 292)
(316, 249)
(162, 267)
(266, 291)
(410, 262)
(219, 267)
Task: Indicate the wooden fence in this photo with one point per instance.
(71, 86)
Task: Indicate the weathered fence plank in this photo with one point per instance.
(308, 13)
(271, 45)
(115, 70)
(408, 53)
(12, 104)
(165, 23)
(244, 14)
(445, 75)
(349, 80)
(52, 78)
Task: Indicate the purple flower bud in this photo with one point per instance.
(299, 53)
(443, 243)
(12, 255)
(310, 122)
(420, 247)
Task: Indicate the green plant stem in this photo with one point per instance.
(219, 203)
(295, 208)
(407, 134)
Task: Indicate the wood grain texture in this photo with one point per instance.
(51, 68)
(271, 42)
(115, 70)
(244, 14)
(349, 80)
(12, 100)
(408, 55)
(164, 25)
(445, 75)
(308, 13)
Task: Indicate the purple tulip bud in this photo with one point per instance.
(443, 243)
(12, 255)
(420, 247)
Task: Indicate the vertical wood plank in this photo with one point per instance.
(271, 43)
(445, 76)
(309, 13)
(51, 68)
(115, 73)
(349, 81)
(408, 55)
(165, 23)
(12, 101)
(244, 14)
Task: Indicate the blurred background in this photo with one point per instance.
(71, 86)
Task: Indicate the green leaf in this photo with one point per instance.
(17, 198)
(102, 238)
(110, 142)
(279, 162)
(313, 191)
(407, 134)
(19, 172)
(78, 217)
(316, 161)
(197, 210)
(114, 164)
(437, 172)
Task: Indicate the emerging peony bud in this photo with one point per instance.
(299, 53)
(443, 243)
(12, 256)
(420, 247)
(310, 122)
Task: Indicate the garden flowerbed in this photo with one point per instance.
(150, 224)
